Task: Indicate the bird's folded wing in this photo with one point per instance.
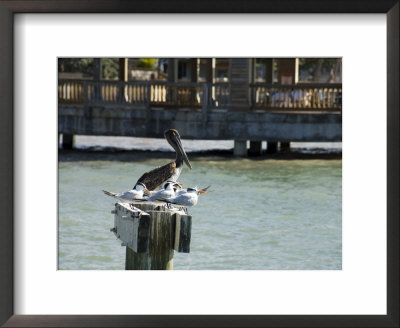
(161, 199)
(154, 178)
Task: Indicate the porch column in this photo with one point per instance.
(194, 69)
(96, 69)
(194, 77)
(210, 70)
(288, 73)
(123, 77)
(210, 79)
(288, 70)
(123, 69)
(97, 78)
(252, 79)
(240, 75)
(269, 70)
(172, 72)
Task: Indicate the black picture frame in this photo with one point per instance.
(10, 7)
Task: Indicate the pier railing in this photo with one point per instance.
(71, 91)
(297, 96)
(154, 93)
(199, 95)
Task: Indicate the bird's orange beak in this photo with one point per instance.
(179, 183)
(147, 191)
(203, 191)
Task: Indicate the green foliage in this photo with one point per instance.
(76, 65)
(312, 64)
(110, 68)
(146, 62)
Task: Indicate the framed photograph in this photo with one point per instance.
(337, 268)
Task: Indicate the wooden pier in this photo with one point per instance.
(151, 233)
(239, 108)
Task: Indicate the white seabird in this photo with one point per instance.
(186, 198)
(134, 194)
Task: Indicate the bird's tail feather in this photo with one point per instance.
(109, 193)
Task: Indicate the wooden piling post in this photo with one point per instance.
(272, 147)
(240, 148)
(67, 141)
(151, 232)
(255, 148)
(284, 146)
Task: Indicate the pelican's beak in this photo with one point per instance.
(182, 151)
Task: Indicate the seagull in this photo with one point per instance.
(186, 198)
(156, 178)
(134, 194)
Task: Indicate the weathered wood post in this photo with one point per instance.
(67, 141)
(123, 78)
(255, 148)
(97, 74)
(205, 103)
(172, 71)
(148, 102)
(151, 232)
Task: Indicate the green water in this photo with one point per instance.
(260, 215)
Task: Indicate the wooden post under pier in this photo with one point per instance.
(284, 146)
(151, 232)
(67, 141)
(272, 147)
(255, 148)
(240, 148)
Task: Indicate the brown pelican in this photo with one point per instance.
(156, 178)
